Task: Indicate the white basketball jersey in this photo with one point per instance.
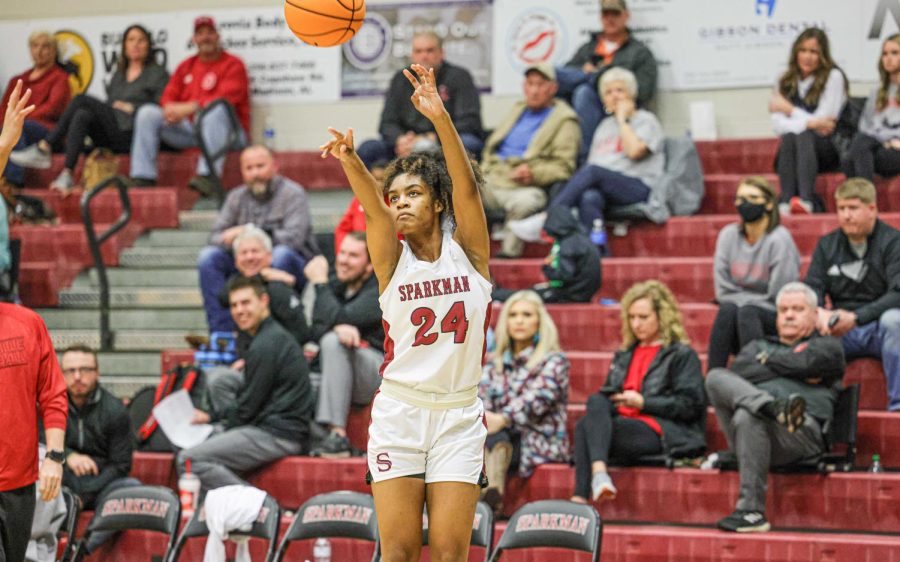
(435, 318)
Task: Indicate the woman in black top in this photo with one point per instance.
(137, 80)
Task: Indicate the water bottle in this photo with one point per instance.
(188, 490)
(598, 236)
(322, 550)
(876, 464)
(269, 133)
(554, 263)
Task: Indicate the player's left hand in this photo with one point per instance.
(50, 479)
(425, 98)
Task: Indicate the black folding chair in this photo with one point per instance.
(70, 524)
(265, 527)
(553, 524)
(148, 508)
(482, 529)
(232, 142)
(348, 515)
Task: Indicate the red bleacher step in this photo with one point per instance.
(40, 282)
(151, 207)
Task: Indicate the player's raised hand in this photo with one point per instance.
(13, 120)
(425, 98)
(340, 146)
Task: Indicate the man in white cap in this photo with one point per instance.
(533, 147)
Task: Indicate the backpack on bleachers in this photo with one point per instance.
(147, 432)
(678, 192)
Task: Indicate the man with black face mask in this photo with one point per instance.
(270, 202)
(754, 258)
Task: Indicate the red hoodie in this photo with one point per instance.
(50, 94)
(203, 82)
(30, 380)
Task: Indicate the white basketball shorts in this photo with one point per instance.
(442, 445)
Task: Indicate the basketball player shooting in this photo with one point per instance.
(426, 439)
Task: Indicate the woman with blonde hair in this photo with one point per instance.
(653, 400)
(525, 389)
(876, 146)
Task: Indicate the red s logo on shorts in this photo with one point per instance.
(384, 462)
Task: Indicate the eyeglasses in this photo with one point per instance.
(80, 371)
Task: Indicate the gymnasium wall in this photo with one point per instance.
(740, 113)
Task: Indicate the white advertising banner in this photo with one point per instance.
(281, 68)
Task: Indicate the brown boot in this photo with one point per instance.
(496, 465)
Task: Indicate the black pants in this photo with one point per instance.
(801, 157)
(736, 326)
(16, 515)
(868, 157)
(602, 434)
(88, 117)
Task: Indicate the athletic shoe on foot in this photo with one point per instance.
(744, 522)
(602, 487)
(784, 209)
(335, 446)
(63, 182)
(31, 157)
(205, 185)
(139, 182)
(790, 412)
(801, 206)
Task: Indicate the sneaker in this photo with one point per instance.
(784, 209)
(334, 446)
(801, 206)
(602, 487)
(528, 229)
(63, 182)
(790, 412)
(204, 185)
(31, 157)
(744, 522)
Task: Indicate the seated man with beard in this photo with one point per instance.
(271, 202)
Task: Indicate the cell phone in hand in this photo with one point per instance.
(833, 320)
(608, 390)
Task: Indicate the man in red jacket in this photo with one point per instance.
(50, 93)
(198, 81)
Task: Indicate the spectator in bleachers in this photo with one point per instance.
(775, 400)
(138, 80)
(533, 147)
(805, 106)
(754, 258)
(253, 258)
(272, 203)
(652, 401)
(525, 390)
(50, 94)
(612, 47)
(346, 322)
(211, 74)
(99, 436)
(354, 220)
(403, 129)
(857, 267)
(264, 417)
(626, 157)
(876, 146)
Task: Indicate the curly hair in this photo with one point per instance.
(881, 98)
(671, 327)
(787, 85)
(431, 168)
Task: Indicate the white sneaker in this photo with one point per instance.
(602, 487)
(63, 182)
(784, 209)
(528, 229)
(31, 157)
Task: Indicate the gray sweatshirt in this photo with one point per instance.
(754, 274)
(881, 125)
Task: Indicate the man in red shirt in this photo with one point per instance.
(198, 81)
(50, 93)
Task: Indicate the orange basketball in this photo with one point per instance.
(324, 23)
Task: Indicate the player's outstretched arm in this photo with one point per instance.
(471, 224)
(384, 248)
(16, 110)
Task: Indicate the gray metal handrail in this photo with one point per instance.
(95, 241)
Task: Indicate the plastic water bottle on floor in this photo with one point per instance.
(188, 490)
(598, 236)
(876, 464)
(322, 550)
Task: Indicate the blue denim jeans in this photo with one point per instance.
(879, 339)
(593, 188)
(216, 266)
(32, 132)
(578, 88)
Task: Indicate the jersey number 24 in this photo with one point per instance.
(454, 322)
